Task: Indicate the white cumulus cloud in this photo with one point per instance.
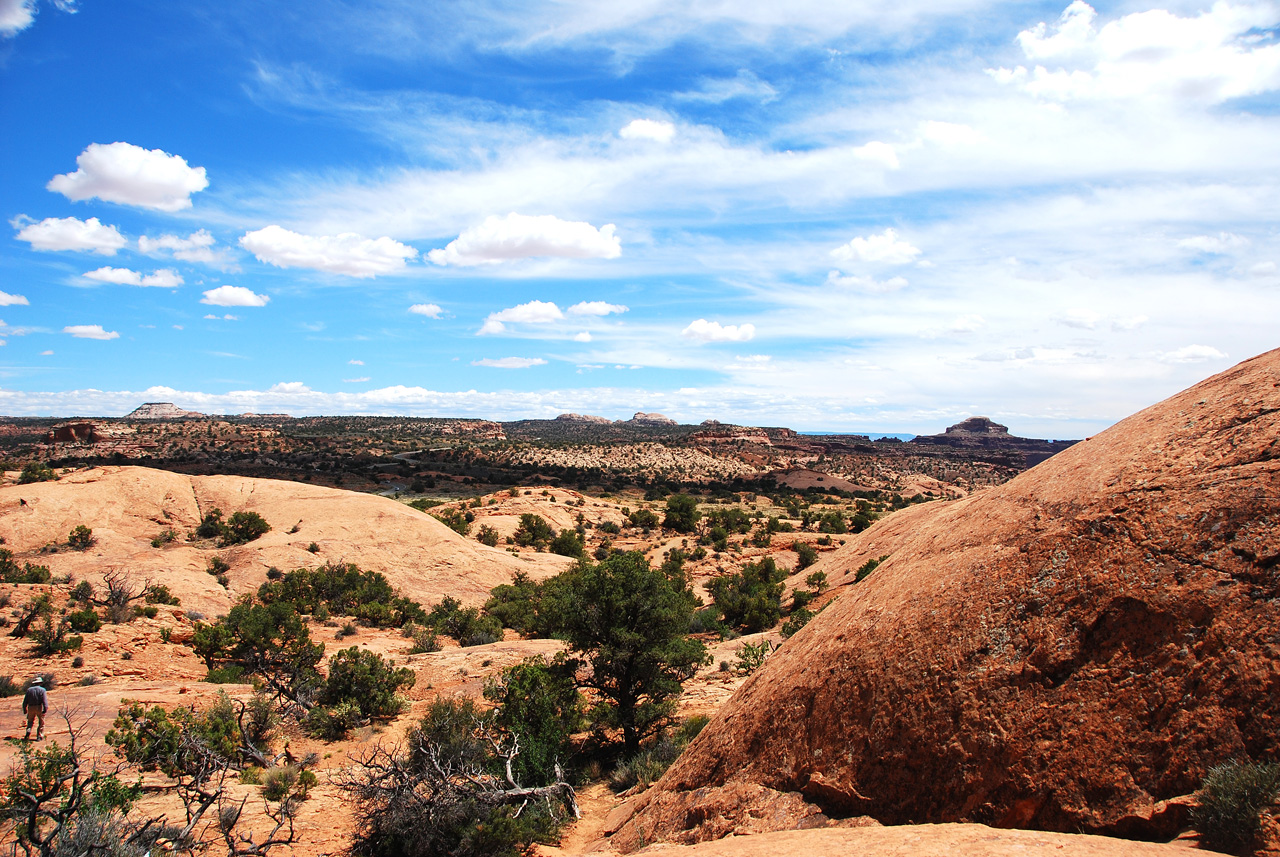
(7, 299)
(69, 233)
(884, 247)
(163, 278)
(509, 362)
(584, 336)
(533, 312)
(355, 362)
(595, 308)
(233, 296)
(519, 236)
(1191, 354)
(90, 331)
(348, 253)
(1209, 57)
(289, 387)
(648, 129)
(429, 310)
(713, 331)
(131, 175)
(196, 247)
(1223, 242)
(359, 380)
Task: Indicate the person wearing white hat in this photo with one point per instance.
(34, 704)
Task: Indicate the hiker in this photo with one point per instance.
(34, 705)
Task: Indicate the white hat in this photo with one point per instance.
(38, 680)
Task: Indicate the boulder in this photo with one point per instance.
(1070, 651)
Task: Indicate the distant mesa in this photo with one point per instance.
(642, 418)
(162, 411)
(982, 433)
(979, 426)
(584, 418)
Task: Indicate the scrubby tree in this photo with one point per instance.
(682, 513)
(243, 527)
(629, 622)
(538, 701)
(534, 531)
(568, 543)
(751, 599)
(451, 790)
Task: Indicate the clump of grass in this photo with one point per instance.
(1231, 800)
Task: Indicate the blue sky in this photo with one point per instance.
(880, 216)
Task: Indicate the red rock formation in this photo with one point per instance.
(1065, 652)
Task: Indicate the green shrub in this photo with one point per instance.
(806, 555)
(226, 674)
(539, 701)
(455, 519)
(28, 573)
(751, 599)
(568, 543)
(343, 589)
(1231, 800)
(817, 582)
(217, 565)
(751, 658)
(866, 568)
(211, 525)
(243, 527)
(487, 535)
(332, 723)
(81, 538)
(364, 679)
(83, 592)
(9, 687)
(797, 620)
(165, 537)
(425, 641)
(84, 621)
(36, 471)
(534, 532)
(50, 637)
(515, 604)
(158, 593)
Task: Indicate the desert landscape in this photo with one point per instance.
(891, 654)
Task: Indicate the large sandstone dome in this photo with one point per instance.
(1063, 652)
(127, 507)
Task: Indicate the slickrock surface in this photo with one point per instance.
(926, 840)
(1064, 652)
(127, 507)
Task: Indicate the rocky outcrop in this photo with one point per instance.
(584, 418)
(642, 418)
(161, 411)
(1069, 651)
